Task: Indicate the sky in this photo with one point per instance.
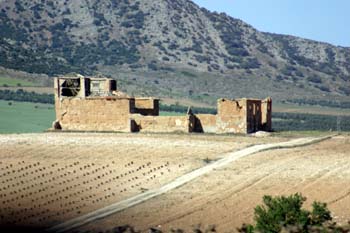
(321, 20)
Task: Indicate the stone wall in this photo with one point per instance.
(253, 116)
(147, 106)
(94, 104)
(163, 124)
(84, 86)
(94, 114)
(100, 87)
(243, 115)
(59, 86)
(205, 123)
(232, 116)
(266, 114)
(141, 115)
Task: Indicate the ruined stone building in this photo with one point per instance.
(95, 104)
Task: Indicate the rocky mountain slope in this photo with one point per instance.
(169, 48)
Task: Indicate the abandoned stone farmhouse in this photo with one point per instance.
(95, 104)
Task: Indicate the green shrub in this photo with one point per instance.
(280, 211)
(283, 212)
(320, 214)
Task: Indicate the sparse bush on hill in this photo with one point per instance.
(345, 90)
(324, 88)
(314, 79)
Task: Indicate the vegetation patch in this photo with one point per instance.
(285, 214)
(25, 96)
(13, 82)
(304, 121)
(22, 117)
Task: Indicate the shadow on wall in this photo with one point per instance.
(198, 127)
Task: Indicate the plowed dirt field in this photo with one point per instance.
(47, 179)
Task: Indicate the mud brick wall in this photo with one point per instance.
(232, 117)
(163, 124)
(83, 85)
(253, 116)
(205, 123)
(110, 85)
(266, 114)
(147, 106)
(94, 114)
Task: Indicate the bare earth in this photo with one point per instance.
(47, 179)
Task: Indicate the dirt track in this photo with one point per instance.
(184, 179)
(226, 197)
(85, 168)
(47, 179)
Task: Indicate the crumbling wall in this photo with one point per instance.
(101, 87)
(163, 124)
(232, 116)
(94, 104)
(80, 86)
(253, 115)
(70, 87)
(205, 123)
(94, 114)
(266, 114)
(147, 106)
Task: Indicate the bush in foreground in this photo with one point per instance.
(276, 214)
(285, 214)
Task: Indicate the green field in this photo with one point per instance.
(13, 82)
(23, 117)
(310, 109)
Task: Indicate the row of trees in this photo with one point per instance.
(303, 121)
(327, 103)
(25, 96)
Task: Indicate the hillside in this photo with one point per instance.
(168, 48)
